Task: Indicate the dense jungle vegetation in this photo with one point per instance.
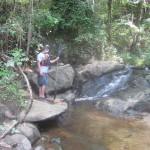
(117, 30)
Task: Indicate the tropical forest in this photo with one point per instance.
(97, 95)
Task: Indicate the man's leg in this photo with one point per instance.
(43, 91)
(40, 91)
(42, 81)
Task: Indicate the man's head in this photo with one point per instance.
(46, 48)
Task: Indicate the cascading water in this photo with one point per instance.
(105, 86)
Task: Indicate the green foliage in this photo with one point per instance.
(10, 84)
(4, 72)
(133, 58)
(74, 16)
(18, 56)
(14, 27)
(75, 24)
(10, 89)
(85, 29)
(44, 21)
(147, 57)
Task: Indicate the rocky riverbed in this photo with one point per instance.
(112, 89)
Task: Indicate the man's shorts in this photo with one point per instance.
(42, 80)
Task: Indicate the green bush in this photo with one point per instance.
(10, 88)
(133, 58)
(10, 84)
(147, 57)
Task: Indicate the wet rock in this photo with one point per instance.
(134, 113)
(70, 97)
(148, 78)
(142, 106)
(43, 111)
(112, 106)
(133, 99)
(57, 147)
(138, 67)
(4, 110)
(18, 141)
(40, 147)
(4, 145)
(56, 140)
(97, 69)
(30, 131)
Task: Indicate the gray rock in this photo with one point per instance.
(39, 147)
(57, 147)
(70, 97)
(43, 111)
(148, 78)
(112, 106)
(30, 131)
(56, 140)
(137, 100)
(98, 68)
(18, 141)
(65, 76)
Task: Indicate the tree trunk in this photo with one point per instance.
(137, 23)
(109, 19)
(30, 28)
(138, 13)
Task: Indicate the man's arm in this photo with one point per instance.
(53, 61)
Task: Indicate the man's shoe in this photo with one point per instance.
(49, 101)
(41, 98)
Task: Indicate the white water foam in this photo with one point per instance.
(109, 88)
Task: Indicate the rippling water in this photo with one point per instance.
(105, 85)
(87, 128)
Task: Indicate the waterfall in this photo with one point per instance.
(105, 86)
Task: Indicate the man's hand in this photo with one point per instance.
(41, 73)
(53, 61)
(57, 58)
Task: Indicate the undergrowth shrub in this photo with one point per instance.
(11, 91)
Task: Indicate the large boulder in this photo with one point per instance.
(112, 106)
(30, 131)
(97, 69)
(64, 76)
(42, 111)
(136, 105)
(18, 141)
(133, 100)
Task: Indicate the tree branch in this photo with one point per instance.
(31, 99)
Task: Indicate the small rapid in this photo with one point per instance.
(105, 86)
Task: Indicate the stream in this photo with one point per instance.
(84, 127)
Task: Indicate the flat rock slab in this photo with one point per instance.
(42, 111)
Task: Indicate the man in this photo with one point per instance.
(43, 63)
